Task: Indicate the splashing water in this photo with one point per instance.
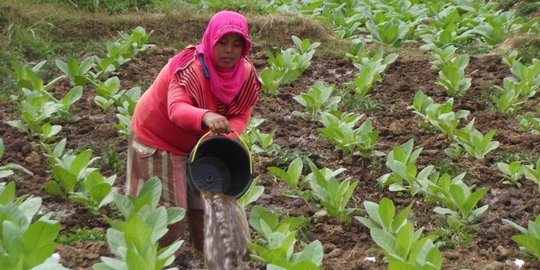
(226, 231)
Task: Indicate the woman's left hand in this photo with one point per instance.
(217, 123)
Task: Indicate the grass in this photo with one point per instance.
(79, 235)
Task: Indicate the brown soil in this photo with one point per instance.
(346, 246)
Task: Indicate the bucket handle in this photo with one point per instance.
(239, 138)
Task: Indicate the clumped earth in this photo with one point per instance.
(346, 246)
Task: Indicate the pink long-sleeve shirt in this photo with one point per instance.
(167, 116)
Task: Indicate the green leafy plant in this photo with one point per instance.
(496, 27)
(383, 216)
(280, 252)
(78, 74)
(475, 143)
(253, 193)
(70, 171)
(394, 234)
(266, 222)
(27, 239)
(513, 172)
(318, 99)
(286, 65)
(333, 194)
(529, 239)
(263, 143)
(340, 130)
(452, 76)
(438, 115)
(122, 50)
(28, 77)
(392, 32)
(125, 110)
(508, 100)
(79, 235)
(292, 175)
(134, 240)
(528, 121)
(402, 162)
(442, 56)
(96, 191)
(459, 202)
(406, 250)
(36, 107)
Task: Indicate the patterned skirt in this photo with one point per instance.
(144, 162)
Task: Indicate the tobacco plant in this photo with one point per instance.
(253, 193)
(497, 26)
(69, 171)
(370, 69)
(442, 56)
(383, 216)
(439, 115)
(459, 202)
(452, 76)
(513, 172)
(78, 74)
(340, 130)
(292, 175)
(95, 192)
(334, 195)
(402, 162)
(318, 99)
(508, 99)
(475, 143)
(266, 222)
(404, 247)
(134, 239)
(280, 253)
(263, 143)
(529, 239)
(122, 50)
(285, 66)
(27, 239)
(28, 77)
(406, 250)
(277, 246)
(391, 32)
(528, 121)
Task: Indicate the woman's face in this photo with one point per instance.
(228, 50)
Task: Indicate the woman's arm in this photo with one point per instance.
(181, 109)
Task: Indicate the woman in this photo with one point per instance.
(208, 87)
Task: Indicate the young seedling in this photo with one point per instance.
(513, 172)
(252, 194)
(333, 194)
(529, 239)
(292, 175)
(318, 99)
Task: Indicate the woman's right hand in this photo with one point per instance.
(217, 123)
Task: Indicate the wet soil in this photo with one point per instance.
(346, 246)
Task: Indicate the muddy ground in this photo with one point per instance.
(346, 246)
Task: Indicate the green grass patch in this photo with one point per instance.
(80, 235)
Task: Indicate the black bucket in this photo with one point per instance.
(220, 164)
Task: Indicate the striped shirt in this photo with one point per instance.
(169, 114)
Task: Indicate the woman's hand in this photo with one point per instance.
(217, 123)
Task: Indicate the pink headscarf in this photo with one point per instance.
(224, 83)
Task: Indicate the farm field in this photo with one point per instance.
(482, 243)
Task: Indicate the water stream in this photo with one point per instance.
(226, 232)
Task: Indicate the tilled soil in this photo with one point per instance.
(346, 246)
